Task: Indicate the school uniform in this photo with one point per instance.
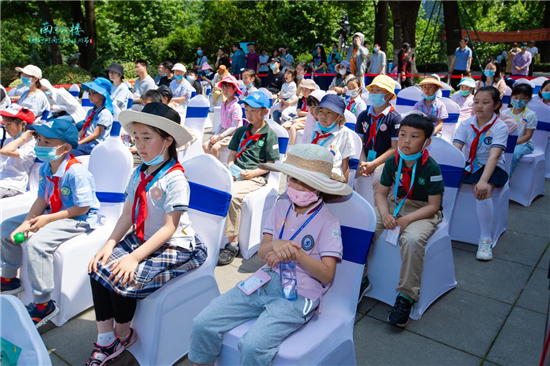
(231, 119)
(527, 120)
(277, 317)
(75, 187)
(120, 96)
(436, 110)
(94, 118)
(14, 172)
(181, 89)
(356, 106)
(246, 92)
(339, 141)
(466, 106)
(37, 103)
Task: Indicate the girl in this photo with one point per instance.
(287, 107)
(318, 64)
(544, 93)
(343, 75)
(250, 82)
(492, 77)
(354, 103)
(404, 65)
(181, 90)
(485, 137)
(62, 103)
(429, 104)
(34, 98)
(465, 98)
(162, 244)
(120, 94)
(315, 250)
(301, 69)
(525, 119)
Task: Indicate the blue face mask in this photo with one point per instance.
(273, 67)
(48, 93)
(26, 81)
(199, 52)
(326, 129)
(190, 79)
(314, 53)
(375, 49)
(464, 93)
(428, 98)
(546, 95)
(159, 159)
(19, 134)
(248, 85)
(178, 77)
(411, 157)
(489, 73)
(519, 104)
(302, 76)
(47, 153)
(377, 100)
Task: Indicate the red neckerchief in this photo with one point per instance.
(246, 141)
(141, 195)
(407, 172)
(374, 126)
(475, 143)
(304, 104)
(350, 104)
(318, 136)
(55, 197)
(87, 124)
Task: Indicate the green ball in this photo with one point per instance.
(19, 238)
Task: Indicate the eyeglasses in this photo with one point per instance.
(91, 92)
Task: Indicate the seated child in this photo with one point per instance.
(66, 206)
(429, 104)
(249, 80)
(251, 145)
(18, 151)
(544, 93)
(378, 127)
(191, 77)
(331, 133)
(99, 120)
(151, 96)
(312, 102)
(165, 93)
(315, 249)
(296, 124)
(231, 118)
(414, 208)
(485, 136)
(161, 244)
(181, 91)
(464, 97)
(354, 103)
(286, 110)
(525, 119)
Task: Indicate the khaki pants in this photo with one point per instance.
(240, 189)
(376, 178)
(413, 245)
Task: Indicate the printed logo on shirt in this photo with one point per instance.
(65, 191)
(489, 133)
(333, 149)
(383, 127)
(276, 146)
(156, 193)
(260, 143)
(421, 181)
(307, 243)
(470, 104)
(436, 178)
(336, 234)
(488, 140)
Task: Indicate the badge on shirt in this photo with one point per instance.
(333, 149)
(308, 243)
(156, 193)
(421, 181)
(383, 127)
(488, 140)
(65, 191)
(260, 143)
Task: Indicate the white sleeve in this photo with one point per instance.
(532, 122)
(500, 136)
(348, 150)
(461, 135)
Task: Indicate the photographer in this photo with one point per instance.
(357, 55)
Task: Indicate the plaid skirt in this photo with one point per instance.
(167, 262)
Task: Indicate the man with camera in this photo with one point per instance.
(357, 55)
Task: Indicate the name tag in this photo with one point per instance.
(371, 155)
(254, 282)
(436, 178)
(392, 236)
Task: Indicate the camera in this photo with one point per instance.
(345, 29)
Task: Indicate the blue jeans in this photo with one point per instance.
(277, 116)
(519, 151)
(84, 149)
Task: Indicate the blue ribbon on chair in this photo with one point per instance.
(115, 129)
(403, 101)
(209, 200)
(110, 197)
(197, 112)
(356, 243)
(451, 175)
(351, 126)
(506, 99)
(545, 126)
(511, 144)
(86, 103)
(353, 163)
(283, 144)
(130, 104)
(74, 93)
(446, 93)
(453, 118)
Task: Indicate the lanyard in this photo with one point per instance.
(373, 138)
(521, 114)
(303, 225)
(433, 110)
(159, 175)
(398, 207)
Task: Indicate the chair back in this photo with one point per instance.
(506, 98)
(407, 98)
(538, 83)
(540, 136)
(446, 91)
(74, 90)
(350, 119)
(354, 161)
(449, 124)
(268, 95)
(282, 135)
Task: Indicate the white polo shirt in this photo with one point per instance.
(14, 172)
(340, 144)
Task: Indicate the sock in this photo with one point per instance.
(105, 339)
(41, 306)
(6, 280)
(484, 210)
(234, 244)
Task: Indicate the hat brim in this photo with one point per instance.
(319, 181)
(19, 69)
(95, 87)
(432, 82)
(219, 85)
(46, 132)
(113, 70)
(180, 134)
(385, 87)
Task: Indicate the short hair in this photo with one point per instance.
(465, 39)
(192, 71)
(165, 91)
(199, 47)
(292, 71)
(252, 44)
(522, 89)
(141, 62)
(168, 64)
(152, 94)
(543, 86)
(495, 94)
(420, 121)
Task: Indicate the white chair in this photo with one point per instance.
(269, 96)
(446, 91)
(74, 90)
(525, 81)
(354, 162)
(465, 226)
(527, 182)
(449, 124)
(164, 319)
(25, 345)
(351, 120)
(365, 96)
(407, 99)
(20, 204)
(86, 104)
(197, 115)
(327, 339)
(397, 88)
(506, 98)
(538, 83)
(72, 291)
(438, 275)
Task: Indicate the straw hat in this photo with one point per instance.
(431, 80)
(312, 165)
(308, 84)
(384, 82)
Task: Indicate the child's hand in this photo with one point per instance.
(123, 270)
(389, 222)
(103, 255)
(287, 125)
(23, 228)
(37, 223)
(286, 250)
(403, 221)
(27, 135)
(367, 168)
(246, 175)
(271, 259)
(481, 190)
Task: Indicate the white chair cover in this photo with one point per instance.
(449, 124)
(407, 98)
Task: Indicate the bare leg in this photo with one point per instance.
(206, 147)
(105, 326)
(292, 135)
(215, 151)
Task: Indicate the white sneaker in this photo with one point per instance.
(484, 249)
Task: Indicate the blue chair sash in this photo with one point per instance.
(356, 243)
(511, 144)
(403, 101)
(353, 163)
(283, 144)
(209, 200)
(451, 175)
(453, 118)
(197, 112)
(110, 197)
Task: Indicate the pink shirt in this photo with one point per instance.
(232, 114)
(320, 238)
(466, 105)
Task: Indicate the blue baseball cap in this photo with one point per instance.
(334, 103)
(256, 99)
(58, 129)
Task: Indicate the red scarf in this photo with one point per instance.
(141, 195)
(407, 172)
(87, 124)
(55, 197)
(475, 144)
(244, 142)
(374, 126)
(304, 104)
(350, 104)
(318, 136)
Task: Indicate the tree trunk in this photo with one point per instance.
(453, 28)
(544, 47)
(381, 24)
(56, 58)
(404, 15)
(78, 17)
(89, 5)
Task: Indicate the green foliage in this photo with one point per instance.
(63, 74)
(102, 63)
(15, 83)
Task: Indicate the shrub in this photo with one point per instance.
(102, 63)
(63, 74)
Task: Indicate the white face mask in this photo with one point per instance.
(352, 93)
(342, 72)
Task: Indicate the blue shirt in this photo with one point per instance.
(105, 119)
(37, 103)
(239, 62)
(76, 188)
(462, 58)
(288, 58)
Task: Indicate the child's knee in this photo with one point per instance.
(216, 147)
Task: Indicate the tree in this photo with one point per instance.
(381, 24)
(47, 17)
(404, 15)
(89, 5)
(544, 48)
(453, 29)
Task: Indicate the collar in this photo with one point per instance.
(61, 170)
(261, 131)
(474, 122)
(385, 112)
(311, 210)
(143, 167)
(230, 104)
(424, 158)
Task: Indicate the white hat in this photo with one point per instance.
(179, 67)
(30, 70)
(312, 165)
(47, 84)
(317, 94)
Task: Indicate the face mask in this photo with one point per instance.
(375, 49)
(519, 104)
(178, 77)
(248, 85)
(464, 93)
(546, 95)
(47, 153)
(314, 53)
(377, 100)
(342, 72)
(299, 76)
(199, 52)
(428, 98)
(326, 129)
(26, 81)
(412, 157)
(334, 50)
(159, 159)
(190, 79)
(273, 66)
(302, 198)
(352, 93)
(19, 134)
(489, 73)
(48, 93)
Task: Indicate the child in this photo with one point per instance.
(301, 68)
(525, 119)
(331, 133)
(414, 208)
(181, 91)
(485, 136)
(378, 127)
(343, 75)
(354, 103)
(120, 94)
(222, 72)
(316, 248)
(296, 124)
(99, 120)
(161, 245)
(166, 94)
(544, 93)
(33, 98)
(151, 96)
(492, 77)
(429, 104)
(276, 77)
(250, 146)
(465, 98)
(231, 118)
(66, 206)
(288, 98)
(192, 79)
(18, 151)
(249, 80)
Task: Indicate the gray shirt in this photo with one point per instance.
(377, 61)
(141, 86)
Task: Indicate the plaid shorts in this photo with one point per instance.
(167, 262)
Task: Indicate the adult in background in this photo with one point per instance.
(222, 59)
(201, 59)
(377, 63)
(168, 74)
(318, 64)
(144, 82)
(274, 53)
(333, 59)
(252, 58)
(264, 59)
(511, 54)
(239, 61)
(404, 65)
(160, 74)
(120, 94)
(521, 62)
(287, 60)
(357, 55)
(534, 51)
(461, 62)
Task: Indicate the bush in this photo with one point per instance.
(15, 83)
(542, 68)
(63, 74)
(102, 63)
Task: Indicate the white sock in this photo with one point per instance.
(234, 244)
(105, 339)
(484, 210)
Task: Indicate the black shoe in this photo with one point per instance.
(227, 254)
(365, 287)
(11, 288)
(399, 316)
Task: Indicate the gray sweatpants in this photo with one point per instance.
(40, 248)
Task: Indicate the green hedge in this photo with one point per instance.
(102, 63)
(64, 74)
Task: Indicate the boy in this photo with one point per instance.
(429, 104)
(252, 58)
(416, 211)
(67, 190)
(192, 79)
(276, 77)
(307, 86)
(144, 82)
(250, 146)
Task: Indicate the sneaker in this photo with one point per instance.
(41, 317)
(131, 339)
(227, 254)
(399, 316)
(365, 287)
(11, 288)
(102, 354)
(484, 249)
